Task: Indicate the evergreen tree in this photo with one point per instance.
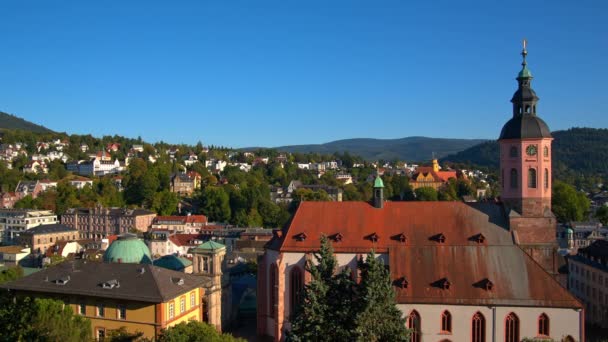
(378, 318)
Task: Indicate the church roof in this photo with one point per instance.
(463, 243)
(128, 249)
(525, 127)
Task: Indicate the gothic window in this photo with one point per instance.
(478, 328)
(543, 325)
(513, 152)
(546, 151)
(531, 178)
(446, 322)
(413, 323)
(296, 284)
(546, 178)
(511, 328)
(273, 288)
(514, 179)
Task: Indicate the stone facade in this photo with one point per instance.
(100, 222)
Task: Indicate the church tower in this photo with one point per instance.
(525, 169)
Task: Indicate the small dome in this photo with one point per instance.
(128, 249)
(524, 73)
(378, 183)
(569, 231)
(525, 127)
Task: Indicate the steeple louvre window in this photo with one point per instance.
(531, 178)
(513, 179)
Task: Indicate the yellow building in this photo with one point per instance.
(431, 177)
(141, 298)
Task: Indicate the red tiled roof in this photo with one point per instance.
(418, 221)
(516, 279)
(181, 219)
(185, 239)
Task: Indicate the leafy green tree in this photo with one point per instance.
(27, 319)
(122, 335)
(194, 331)
(378, 318)
(567, 203)
(426, 194)
(216, 204)
(602, 214)
(165, 202)
(11, 274)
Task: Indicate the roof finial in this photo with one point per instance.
(524, 52)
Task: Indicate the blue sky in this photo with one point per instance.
(269, 73)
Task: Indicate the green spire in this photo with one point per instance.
(525, 72)
(378, 183)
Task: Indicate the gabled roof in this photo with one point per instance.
(210, 245)
(185, 239)
(516, 279)
(145, 283)
(418, 221)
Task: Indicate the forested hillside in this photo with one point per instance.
(9, 121)
(576, 152)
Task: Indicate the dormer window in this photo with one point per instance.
(301, 237)
(62, 280)
(110, 284)
(402, 283)
(489, 285)
(338, 237)
(479, 238)
(401, 237)
(178, 281)
(440, 238)
(373, 237)
(445, 284)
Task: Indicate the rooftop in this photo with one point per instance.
(49, 229)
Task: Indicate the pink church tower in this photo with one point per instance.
(525, 167)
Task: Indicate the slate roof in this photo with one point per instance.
(49, 228)
(153, 284)
(525, 126)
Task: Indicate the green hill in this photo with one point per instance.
(580, 150)
(9, 121)
(409, 149)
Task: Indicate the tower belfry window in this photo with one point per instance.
(531, 178)
(513, 179)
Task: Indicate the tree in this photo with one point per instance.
(11, 274)
(378, 318)
(40, 319)
(567, 203)
(122, 335)
(336, 308)
(602, 214)
(165, 202)
(216, 204)
(194, 331)
(426, 194)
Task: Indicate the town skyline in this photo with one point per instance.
(309, 73)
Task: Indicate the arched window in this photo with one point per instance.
(512, 328)
(478, 328)
(546, 178)
(543, 325)
(513, 152)
(546, 151)
(296, 283)
(569, 339)
(413, 322)
(502, 178)
(446, 322)
(531, 178)
(514, 179)
(274, 287)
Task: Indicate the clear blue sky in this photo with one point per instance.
(269, 73)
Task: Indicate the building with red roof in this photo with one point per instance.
(189, 224)
(461, 271)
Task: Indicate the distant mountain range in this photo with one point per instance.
(582, 150)
(9, 121)
(409, 149)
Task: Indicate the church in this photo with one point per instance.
(475, 272)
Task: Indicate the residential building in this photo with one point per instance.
(8, 199)
(24, 188)
(164, 242)
(81, 182)
(46, 184)
(580, 234)
(588, 280)
(13, 222)
(100, 222)
(40, 238)
(140, 298)
(184, 184)
(189, 224)
(432, 176)
(13, 254)
(486, 271)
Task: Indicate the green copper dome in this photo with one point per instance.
(210, 245)
(524, 73)
(569, 231)
(378, 183)
(128, 249)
